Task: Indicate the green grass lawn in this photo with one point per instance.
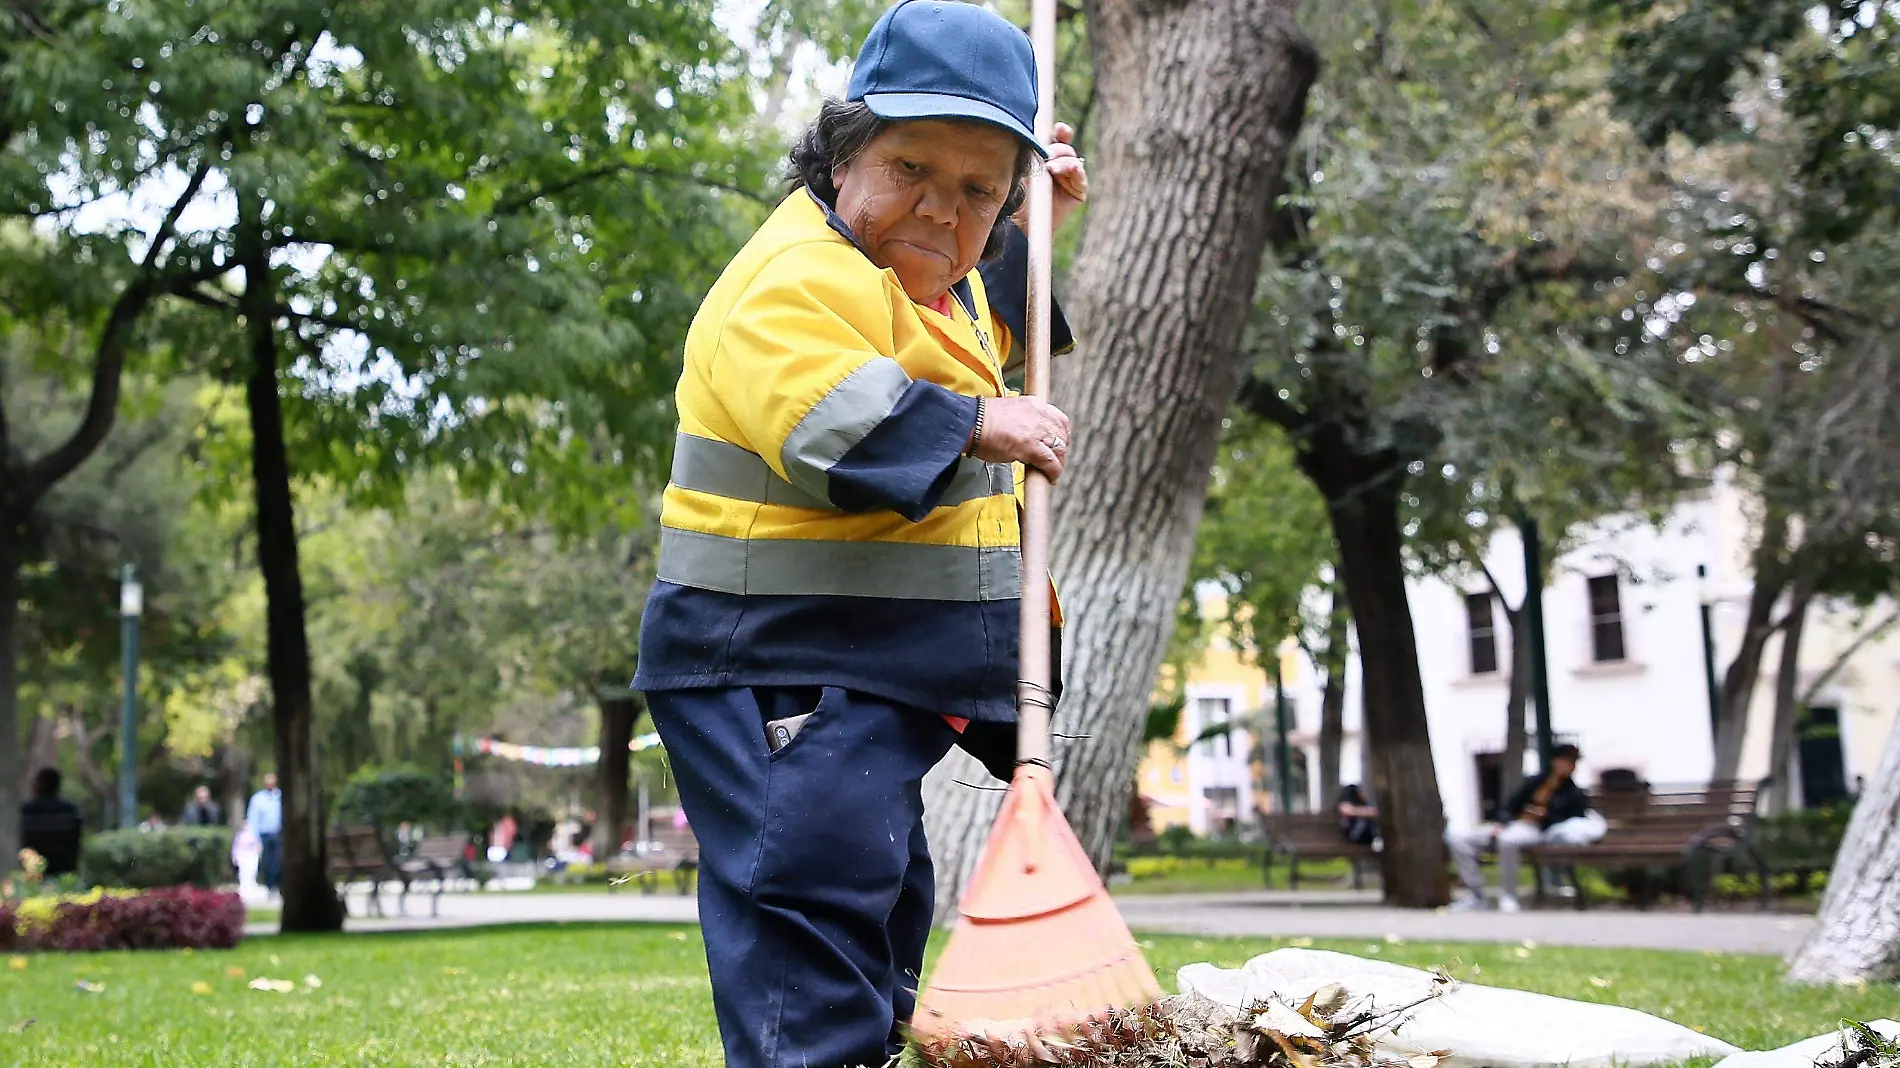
(637, 995)
(1228, 875)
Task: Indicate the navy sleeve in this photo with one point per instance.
(1006, 283)
(908, 460)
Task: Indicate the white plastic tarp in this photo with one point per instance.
(1807, 1052)
(1481, 1026)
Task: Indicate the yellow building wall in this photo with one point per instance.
(1162, 775)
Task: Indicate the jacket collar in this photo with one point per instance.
(961, 290)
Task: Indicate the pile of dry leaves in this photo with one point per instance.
(1330, 1030)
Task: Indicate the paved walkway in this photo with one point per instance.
(1338, 915)
(1264, 914)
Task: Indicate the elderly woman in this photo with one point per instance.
(836, 603)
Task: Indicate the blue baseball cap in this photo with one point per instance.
(942, 59)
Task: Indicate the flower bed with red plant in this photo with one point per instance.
(179, 917)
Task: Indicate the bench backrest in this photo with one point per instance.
(441, 848)
(1678, 811)
(1307, 830)
(355, 849)
(676, 840)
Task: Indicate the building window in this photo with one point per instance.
(1606, 619)
(1213, 713)
(1483, 629)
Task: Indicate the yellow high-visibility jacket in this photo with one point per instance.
(821, 526)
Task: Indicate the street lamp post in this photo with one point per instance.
(1283, 757)
(1705, 593)
(131, 606)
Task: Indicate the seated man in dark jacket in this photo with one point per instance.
(1550, 807)
(50, 825)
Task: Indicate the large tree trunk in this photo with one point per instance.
(1365, 514)
(12, 774)
(1856, 937)
(617, 717)
(1788, 706)
(1516, 703)
(1199, 105)
(1332, 700)
(1738, 682)
(310, 900)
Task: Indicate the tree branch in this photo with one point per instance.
(529, 196)
(108, 367)
(1263, 399)
(1860, 641)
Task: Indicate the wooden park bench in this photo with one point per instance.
(1311, 836)
(1697, 829)
(437, 859)
(356, 853)
(670, 849)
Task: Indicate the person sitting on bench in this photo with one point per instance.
(50, 825)
(1358, 819)
(1550, 807)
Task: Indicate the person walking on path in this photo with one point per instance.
(265, 817)
(839, 572)
(1549, 807)
(202, 811)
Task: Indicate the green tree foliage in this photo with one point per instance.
(458, 232)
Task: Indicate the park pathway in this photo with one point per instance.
(1260, 914)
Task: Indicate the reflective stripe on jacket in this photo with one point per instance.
(821, 525)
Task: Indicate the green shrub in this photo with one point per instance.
(175, 856)
(1803, 840)
(384, 797)
(1178, 841)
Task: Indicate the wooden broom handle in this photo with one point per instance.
(1033, 697)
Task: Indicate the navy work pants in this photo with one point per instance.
(815, 884)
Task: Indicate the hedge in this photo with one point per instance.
(175, 856)
(178, 917)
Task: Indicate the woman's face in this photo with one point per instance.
(922, 196)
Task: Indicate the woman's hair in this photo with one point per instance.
(841, 131)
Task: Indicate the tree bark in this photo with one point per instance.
(1788, 704)
(1332, 700)
(1856, 936)
(617, 717)
(11, 772)
(1363, 499)
(1738, 682)
(1516, 703)
(310, 900)
(1199, 104)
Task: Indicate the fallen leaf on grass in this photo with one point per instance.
(312, 982)
(1529, 943)
(1302, 942)
(90, 987)
(274, 986)
(1522, 953)
(18, 964)
(452, 971)
(1394, 940)
(201, 987)
(1599, 982)
(234, 972)
(22, 1025)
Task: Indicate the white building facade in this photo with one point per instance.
(1628, 676)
